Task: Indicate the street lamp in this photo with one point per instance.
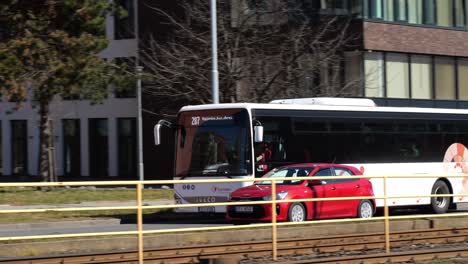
(214, 54)
(141, 176)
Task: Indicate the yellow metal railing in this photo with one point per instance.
(139, 207)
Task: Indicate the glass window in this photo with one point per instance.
(444, 78)
(71, 147)
(421, 77)
(375, 8)
(415, 10)
(463, 79)
(126, 89)
(389, 10)
(460, 13)
(429, 15)
(374, 81)
(444, 13)
(127, 147)
(400, 10)
(124, 24)
(19, 147)
(397, 74)
(98, 147)
(353, 74)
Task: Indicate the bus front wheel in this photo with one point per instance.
(440, 205)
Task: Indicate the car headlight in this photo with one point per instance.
(279, 196)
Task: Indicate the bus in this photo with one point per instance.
(245, 140)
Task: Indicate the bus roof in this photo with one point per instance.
(296, 104)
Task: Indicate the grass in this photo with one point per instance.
(30, 196)
(56, 196)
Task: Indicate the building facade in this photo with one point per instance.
(96, 141)
(409, 53)
(415, 52)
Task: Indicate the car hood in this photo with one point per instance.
(257, 190)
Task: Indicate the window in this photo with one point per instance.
(373, 9)
(397, 75)
(415, 10)
(374, 69)
(71, 147)
(429, 15)
(460, 13)
(19, 147)
(463, 79)
(400, 10)
(344, 172)
(444, 13)
(127, 147)
(126, 89)
(389, 10)
(324, 172)
(421, 77)
(444, 78)
(124, 24)
(98, 147)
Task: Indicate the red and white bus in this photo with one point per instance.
(244, 140)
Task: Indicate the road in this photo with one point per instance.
(115, 225)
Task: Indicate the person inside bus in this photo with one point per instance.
(263, 156)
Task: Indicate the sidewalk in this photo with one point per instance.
(74, 223)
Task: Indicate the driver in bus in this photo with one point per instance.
(263, 157)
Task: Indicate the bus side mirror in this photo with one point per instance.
(258, 133)
(157, 134)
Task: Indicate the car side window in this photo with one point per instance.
(343, 172)
(324, 172)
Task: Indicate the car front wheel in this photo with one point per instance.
(365, 209)
(296, 213)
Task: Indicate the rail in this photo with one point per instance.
(139, 207)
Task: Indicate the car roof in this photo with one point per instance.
(320, 165)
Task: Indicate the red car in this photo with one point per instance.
(302, 189)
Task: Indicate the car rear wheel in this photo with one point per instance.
(296, 213)
(440, 205)
(365, 209)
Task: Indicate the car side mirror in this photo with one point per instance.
(314, 182)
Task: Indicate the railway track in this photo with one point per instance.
(367, 248)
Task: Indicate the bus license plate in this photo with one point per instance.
(244, 209)
(206, 209)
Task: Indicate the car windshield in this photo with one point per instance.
(286, 172)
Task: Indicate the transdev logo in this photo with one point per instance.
(217, 189)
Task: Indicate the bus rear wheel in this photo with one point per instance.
(440, 205)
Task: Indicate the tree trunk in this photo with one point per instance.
(45, 140)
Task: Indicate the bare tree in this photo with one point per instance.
(267, 50)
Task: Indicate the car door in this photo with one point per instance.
(323, 209)
(346, 187)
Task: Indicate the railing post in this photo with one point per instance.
(273, 219)
(140, 221)
(387, 224)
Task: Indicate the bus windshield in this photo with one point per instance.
(214, 143)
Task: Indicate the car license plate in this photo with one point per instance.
(206, 209)
(244, 209)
